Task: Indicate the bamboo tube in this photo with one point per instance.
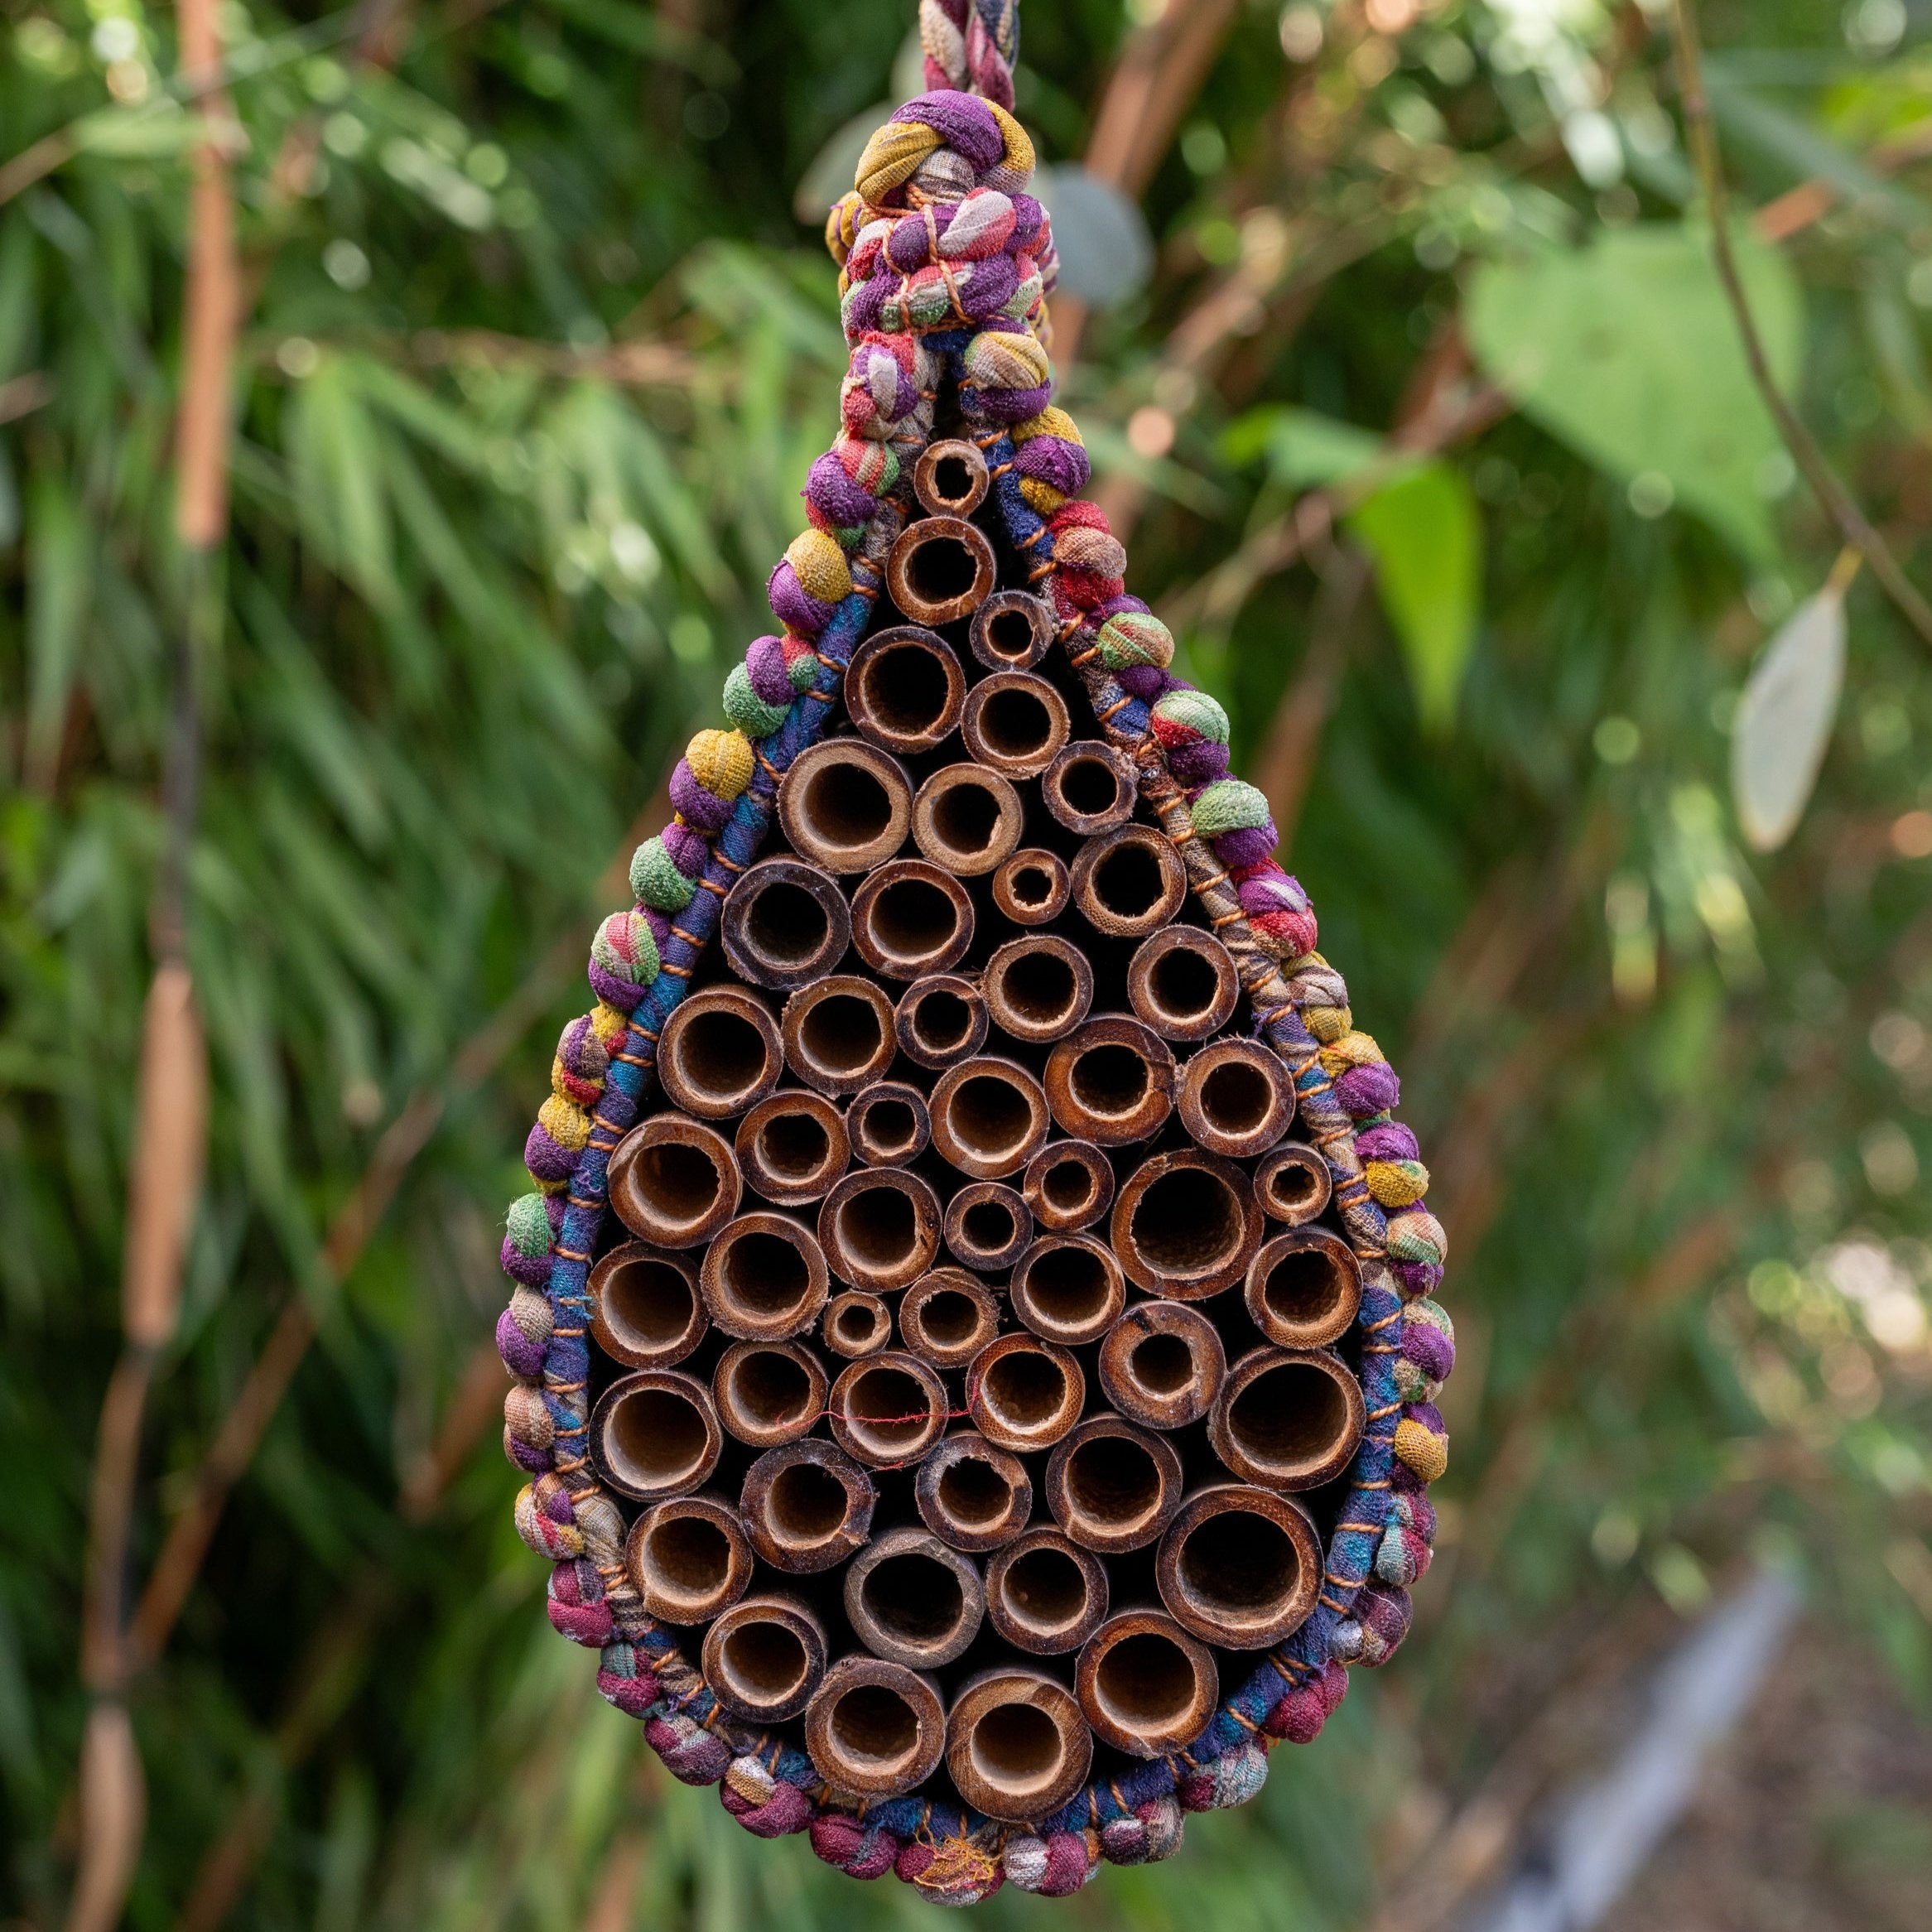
(950, 478)
(838, 1033)
(1185, 1226)
(889, 1124)
(1287, 1419)
(1239, 1567)
(904, 690)
(910, 916)
(880, 1229)
(1162, 1365)
(971, 1495)
(1129, 881)
(873, 1729)
(808, 1506)
(1033, 887)
(1069, 1185)
(912, 1600)
(644, 1308)
(988, 1117)
(1016, 1744)
(1045, 1595)
(1014, 723)
(1013, 630)
(889, 1409)
(1182, 981)
(674, 1182)
(1303, 1289)
(1113, 1488)
(856, 1325)
(720, 1053)
(689, 1559)
(763, 1278)
(941, 1019)
(1236, 1098)
(769, 1392)
(1111, 1081)
(784, 924)
(845, 805)
(764, 1658)
(988, 1226)
(967, 819)
(1069, 1288)
(792, 1147)
(1038, 987)
(654, 1433)
(1090, 788)
(1146, 1686)
(1022, 1392)
(1293, 1184)
(940, 569)
(948, 1317)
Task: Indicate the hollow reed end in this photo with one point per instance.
(1239, 1567)
(988, 1226)
(1032, 887)
(912, 1600)
(889, 1409)
(644, 1308)
(989, 1117)
(1013, 630)
(765, 1657)
(792, 1147)
(769, 1392)
(1162, 1364)
(838, 1033)
(1045, 1594)
(1127, 883)
(689, 1559)
(856, 1325)
(1090, 788)
(674, 1182)
(1236, 1098)
(784, 924)
(1068, 1288)
(880, 1229)
(1024, 1394)
(1303, 1289)
(763, 1278)
(1287, 1419)
(940, 569)
(1014, 723)
(720, 1053)
(910, 916)
(1112, 1488)
(904, 690)
(1016, 1744)
(1292, 1183)
(947, 1317)
(808, 1506)
(1069, 1185)
(941, 1019)
(1038, 987)
(1111, 1081)
(1185, 1225)
(889, 1124)
(972, 1494)
(654, 1433)
(873, 1728)
(1182, 981)
(950, 478)
(845, 805)
(967, 819)
(1144, 1685)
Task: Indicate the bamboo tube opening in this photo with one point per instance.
(784, 924)
(674, 1182)
(904, 690)
(1046, 1595)
(874, 1729)
(769, 1392)
(888, 1410)
(1111, 1081)
(1162, 1365)
(654, 1433)
(1039, 988)
(950, 478)
(988, 1117)
(971, 1495)
(889, 1124)
(792, 1147)
(845, 805)
(1185, 1226)
(1145, 1685)
(939, 569)
(1236, 1098)
(1239, 1567)
(720, 1053)
(808, 1506)
(910, 916)
(763, 1279)
(1015, 723)
(948, 1318)
(1024, 1394)
(1294, 1183)
(764, 1658)
(839, 1033)
(1032, 887)
(988, 1226)
(1017, 1744)
(689, 1558)
(967, 819)
(1069, 1288)
(1111, 1487)
(1183, 982)
(1288, 1419)
(1128, 882)
(880, 1228)
(941, 1018)
(1090, 788)
(912, 1600)
(1303, 1289)
(856, 1325)
(1069, 1185)
(1012, 631)
(644, 1308)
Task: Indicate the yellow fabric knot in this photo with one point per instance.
(720, 761)
(1396, 1183)
(820, 566)
(1352, 1049)
(1008, 362)
(1042, 499)
(1049, 422)
(1327, 1024)
(750, 1780)
(892, 155)
(608, 1023)
(565, 1122)
(1019, 148)
(1424, 1451)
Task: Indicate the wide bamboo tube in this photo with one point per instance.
(1129, 881)
(1111, 1081)
(1013, 630)
(720, 1053)
(808, 1506)
(1287, 1419)
(948, 1317)
(644, 1308)
(764, 1658)
(889, 1124)
(880, 1229)
(689, 1559)
(784, 924)
(912, 1600)
(1113, 1488)
(988, 1226)
(1162, 1365)
(1016, 1744)
(1236, 1098)
(941, 1019)
(856, 1325)
(910, 916)
(654, 1433)
(1069, 1185)
(674, 1182)
(1185, 1226)
(1090, 788)
(950, 478)
(845, 805)
(1045, 1595)
(1303, 1289)
(1014, 723)
(1068, 1288)
(904, 689)
(1022, 1392)
(889, 1409)
(1183, 982)
(1292, 1183)
(967, 819)
(1146, 1686)
(972, 1495)
(792, 1147)
(838, 1033)
(874, 1729)
(1239, 1567)
(1038, 987)
(1033, 887)
(988, 1117)
(769, 1392)
(940, 569)
(763, 1278)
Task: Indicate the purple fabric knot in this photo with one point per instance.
(1238, 850)
(1054, 462)
(791, 605)
(841, 501)
(1373, 1089)
(1199, 764)
(687, 849)
(963, 122)
(704, 809)
(1390, 1141)
(546, 1159)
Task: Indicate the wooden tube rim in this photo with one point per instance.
(941, 1018)
(769, 1393)
(996, 636)
(1014, 723)
(1182, 981)
(838, 1033)
(792, 1147)
(1038, 987)
(933, 1327)
(856, 1324)
(1185, 1225)
(1145, 1685)
(1016, 1744)
(1090, 788)
(689, 1559)
(1162, 1364)
(989, 1116)
(909, 917)
(654, 1433)
(913, 1599)
(1112, 1488)
(1033, 886)
(1287, 1419)
(763, 1278)
(940, 569)
(1068, 1288)
(1303, 1289)
(1045, 1594)
(674, 1181)
(1111, 1081)
(889, 1408)
(879, 1136)
(1023, 1393)
(950, 479)
(874, 1729)
(845, 805)
(806, 1507)
(904, 690)
(871, 1243)
(1292, 1183)
(784, 924)
(1239, 1566)
(1128, 882)
(988, 1226)
(720, 1053)
(1235, 1098)
(765, 1657)
(967, 819)
(972, 1494)
(1069, 1185)
(645, 1310)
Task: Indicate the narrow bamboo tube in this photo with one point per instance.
(874, 1729)
(1183, 982)
(941, 1019)
(1185, 1225)
(1013, 630)
(1033, 887)
(880, 1229)
(950, 478)
(1038, 987)
(948, 1317)
(784, 924)
(1014, 723)
(644, 1308)
(689, 1559)
(1045, 1595)
(1022, 1392)
(1016, 1744)
(1303, 1289)
(763, 1278)
(1287, 1419)
(720, 1053)
(838, 1033)
(769, 1392)
(1239, 1567)
(1090, 788)
(856, 1325)
(764, 1658)
(1069, 1185)
(1113, 1488)
(940, 569)
(655, 1433)
(988, 1117)
(1236, 1098)
(971, 1495)
(988, 1226)
(1293, 1184)
(1162, 1365)
(904, 690)
(1068, 1288)
(792, 1147)
(1129, 881)
(1111, 1081)
(845, 805)
(1145, 1685)
(808, 1506)
(912, 1600)
(910, 916)
(674, 1181)
(889, 1409)
(967, 819)
(889, 1124)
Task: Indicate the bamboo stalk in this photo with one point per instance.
(720, 1053)
(808, 1506)
(1090, 788)
(905, 688)
(880, 1229)
(1303, 1289)
(838, 1033)
(792, 1147)
(1145, 1685)
(1292, 1183)
(988, 1226)
(654, 1433)
(1112, 1082)
(910, 916)
(769, 1393)
(1013, 630)
(1016, 1744)
(1069, 1185)
(763, 1278)
(1046, 1595)
(1186, 1226)
(1236, 1098)
(1038, 987)
(941, 1019)
(972, 1495)
(785, 924)
(1182, 983)
(689, 1559)
(967, 819)
(912, 1600)
(674, 1182)
(940, 569)
(764, 1658)
(1023, 1394)
(889, 1409)
(644, 1308)
(1239, 1567)
(1014, 723)
(950, 478)
(1287, 1419)
(947, 1317)
(856, 1325)
(889, 1124)
(873, 1728)
(1068, 1289)
(1033, 887)
(1128, 882)
(1162, 1365)
(989, 1117)
(1113, 1488)
(845, 805)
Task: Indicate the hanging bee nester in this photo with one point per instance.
(974, 1353)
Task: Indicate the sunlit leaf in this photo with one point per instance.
(1783, 720)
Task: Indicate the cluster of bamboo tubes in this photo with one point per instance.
(969, 1272)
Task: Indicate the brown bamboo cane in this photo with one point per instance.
(889, 1409)
(889, 1123)
(1292, 1183)
(1182, 981)
(845, 805)
(875, 1729)
(689, 1559)
(1014, 723)
(1069, 1185)
(947, 1317)
(808, 1506)
(1236, 1098)
(1032, 887)
(989, 1117)
(950, 479)
(1128, 882)
(765, 1657)
(1239, 1567)
(792, 1147)
(1186, 1226)
(654, 1433)
(1013, 630)
(1287, 1419)
(905, 688)
(971, 1494)
(856, 1325)
(910, 916)
(784, 924)
(1023, 1394)
(1112, 1488)
(1162, 1364)
(941, 1019)
(1144, 1685)
(674, 1182)
(1038, 987)
(912, 1600)
(769, 1393)
(967, 819)
(1068, 1289)
(880, 1229)
(1016, 1744)
(988, 1226)
(644, 1308)
(1111, 1081)
(720, 1053)
(1303, 1289)
(940, 569)
(1090, 788)
(1044, 1594)
(838, 1033)
(763, 1278)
